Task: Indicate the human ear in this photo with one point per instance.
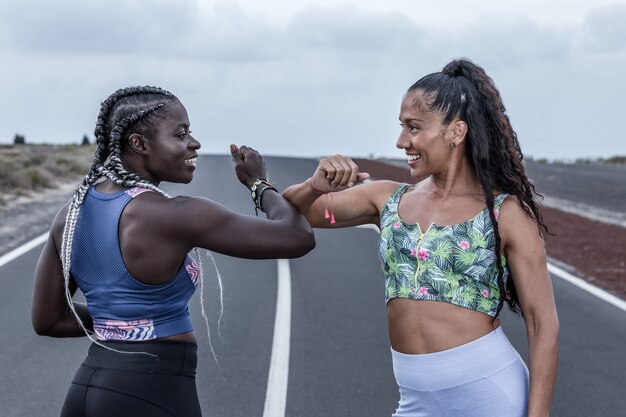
(457, 131)
(138, 143)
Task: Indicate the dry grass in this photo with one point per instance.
(616, 160)
(25, 169)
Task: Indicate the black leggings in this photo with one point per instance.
(112, 384)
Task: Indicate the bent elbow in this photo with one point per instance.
(302, 245)
(44, 325)
(310, 244)
(42, 329)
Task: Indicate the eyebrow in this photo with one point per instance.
(411, 120)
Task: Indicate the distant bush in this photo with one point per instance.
(19, 139)
(37, 179)
(27, 168)
(85, 141)
(616, 160)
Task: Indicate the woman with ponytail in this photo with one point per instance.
(125, 244)
(455, 247)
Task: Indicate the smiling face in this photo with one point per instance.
(171, 151)
(424, 138)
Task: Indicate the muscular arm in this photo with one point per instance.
(284, 234)
(177, 225)
(333, 188)
(204, 223)
(525, 252)
(50, 312)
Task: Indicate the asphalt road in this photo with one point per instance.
(598, 185)
(339, 364)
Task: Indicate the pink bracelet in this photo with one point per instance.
(329, 196)
(315, 189)
(330, 216)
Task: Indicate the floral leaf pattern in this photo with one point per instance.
(454, 263)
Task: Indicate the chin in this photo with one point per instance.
(419, 174)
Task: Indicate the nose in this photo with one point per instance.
(194, 143)
(402, 142)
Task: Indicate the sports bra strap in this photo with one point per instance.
(497, 203)
(135, 191)
(394, 199)
(391, 206)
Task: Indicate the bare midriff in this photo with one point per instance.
(420, 326)
(189, 337)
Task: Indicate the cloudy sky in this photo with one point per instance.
(314, 77)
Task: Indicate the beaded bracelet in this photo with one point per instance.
(255, 186)
(257, 194)
(258, 204)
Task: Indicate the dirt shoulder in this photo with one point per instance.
(24, 218)
(35, 181)
(590, 249)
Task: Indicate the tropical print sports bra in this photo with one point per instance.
(454, 264)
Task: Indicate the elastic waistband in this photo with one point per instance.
(156, 357)
(479, 358)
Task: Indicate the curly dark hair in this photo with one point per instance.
(462, 89)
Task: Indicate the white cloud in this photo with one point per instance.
(606, 28)
(328, 79)
(73, 26)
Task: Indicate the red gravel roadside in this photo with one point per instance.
(592, 250)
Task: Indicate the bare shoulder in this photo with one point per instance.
(160, 212)
(58, 224)
(512, 210)
(152, 206)
(379, 191)
(515, 223)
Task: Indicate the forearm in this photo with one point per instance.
(278, 208)
(302, 196)
(543, 346)
(67, 325)
(297, 234)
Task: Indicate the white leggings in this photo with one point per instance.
(483, 378)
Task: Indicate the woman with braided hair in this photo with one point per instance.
(454, 247)
(125, 243)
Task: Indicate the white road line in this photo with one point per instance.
(572, 279)
(584, 285)
(17, 252)
(369, 226)
(277, 379)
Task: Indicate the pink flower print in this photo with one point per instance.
(496, 213)
(414, 253)
(397, 225)
(422, 291)
(464, 244)
(485, 293)
(422, 254)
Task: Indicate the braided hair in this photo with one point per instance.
(463, 89)
(125, 112)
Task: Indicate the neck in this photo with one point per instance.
(136, 166)
(458, 178)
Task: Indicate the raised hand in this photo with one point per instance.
(336, 173)
(249, 164)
